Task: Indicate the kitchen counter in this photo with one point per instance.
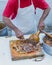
(5, 55)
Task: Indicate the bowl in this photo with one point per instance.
(3, 29)
(47, 45)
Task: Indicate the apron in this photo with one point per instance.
(25, 20)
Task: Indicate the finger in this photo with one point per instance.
(41, 28)
(21, 37)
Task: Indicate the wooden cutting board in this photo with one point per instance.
(17, 53)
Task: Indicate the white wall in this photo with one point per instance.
(48, 20)
(38, 12)
(2, 6)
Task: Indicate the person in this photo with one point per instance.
(19, 16)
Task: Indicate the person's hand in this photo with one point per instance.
(19, 34)
(41, 25)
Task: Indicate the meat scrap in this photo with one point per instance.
(25, 46)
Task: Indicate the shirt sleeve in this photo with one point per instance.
(10, 11)
(42, 4)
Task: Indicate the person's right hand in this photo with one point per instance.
(19, 34)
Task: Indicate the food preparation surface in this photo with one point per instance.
(25, 49)
(5, 56)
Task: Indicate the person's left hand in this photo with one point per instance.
(41, 25)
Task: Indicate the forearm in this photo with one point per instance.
(45, 14)
(8, 22)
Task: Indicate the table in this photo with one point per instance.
(5, 55)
